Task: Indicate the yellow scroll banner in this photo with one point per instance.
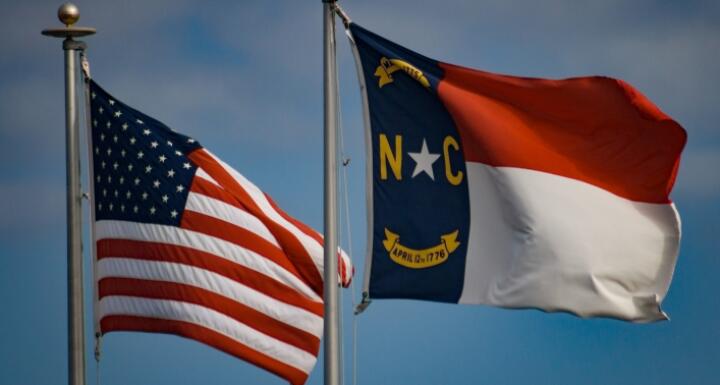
(387, 66)
(420, 259)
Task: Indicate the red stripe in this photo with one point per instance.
(290, 244)
(211, 190)
(198, 296)
(152, 251)
(303, 227)
(245, 238)
(597, 130)
(204, 187)
(206, 336)
(309, 232)
(312, 234)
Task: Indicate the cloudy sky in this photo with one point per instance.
(245, 79)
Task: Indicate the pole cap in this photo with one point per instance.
(68, 14)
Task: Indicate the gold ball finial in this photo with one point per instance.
(68, 14)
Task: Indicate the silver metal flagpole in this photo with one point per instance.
(331, 332)
(69, 15)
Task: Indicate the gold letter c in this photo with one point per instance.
(454, 179)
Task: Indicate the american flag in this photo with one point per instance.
(186, 245)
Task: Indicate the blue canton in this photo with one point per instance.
(141, 172)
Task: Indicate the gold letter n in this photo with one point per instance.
(387, 156)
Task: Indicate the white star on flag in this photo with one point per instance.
(424, 161)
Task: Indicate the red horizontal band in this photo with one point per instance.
(206, 336)
(594, 129)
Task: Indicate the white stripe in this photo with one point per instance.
(228, 213)
(116, 266)
(313, 248)
(176, 236)
(218, 322)
(546, 241)
(200, 173)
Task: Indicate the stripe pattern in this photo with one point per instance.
(185, 245)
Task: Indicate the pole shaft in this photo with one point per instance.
(76, 336)
(331, 328)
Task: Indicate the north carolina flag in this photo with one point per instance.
(516, 192)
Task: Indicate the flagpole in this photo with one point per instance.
(69, 15)
(331, 328)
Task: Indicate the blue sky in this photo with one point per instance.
(245, 79)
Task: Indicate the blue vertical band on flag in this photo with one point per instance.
(417, 176)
